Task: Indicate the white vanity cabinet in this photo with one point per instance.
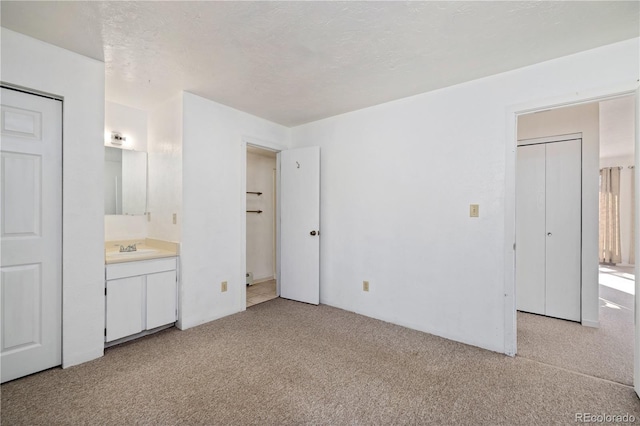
(161, 299)
(140, 295)
(124, 301)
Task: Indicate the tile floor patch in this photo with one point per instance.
(261, 292)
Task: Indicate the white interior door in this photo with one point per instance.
(300, 224)
(564, 229)
(31, 229)
(530, 229)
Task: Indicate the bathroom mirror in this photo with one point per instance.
(125, 182)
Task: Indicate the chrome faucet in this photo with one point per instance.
(128, 248)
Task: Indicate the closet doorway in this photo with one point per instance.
(549, 226)
(31, 249)
(261, 225)
(598, 339)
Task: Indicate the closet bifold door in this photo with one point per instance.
(563, 229)
(530, 229)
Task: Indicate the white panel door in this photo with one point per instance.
(530, 229)
(31, 229)
(124, 307)
(161, 299)
(564, 229)
(300, 224)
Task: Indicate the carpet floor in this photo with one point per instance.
(288, 363)
(605, 352)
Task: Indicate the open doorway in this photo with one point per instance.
(261, 203)
(616, 229)
(600, 341)
(297, 216)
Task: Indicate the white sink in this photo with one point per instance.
(132, 253)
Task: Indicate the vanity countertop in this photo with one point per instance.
(146, 249)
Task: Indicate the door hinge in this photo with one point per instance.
(105, 332)
(514, 246)
(105, 291)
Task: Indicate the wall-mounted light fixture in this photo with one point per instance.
(117, 138)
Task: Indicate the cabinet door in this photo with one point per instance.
(161, 299)
(530, 229)
(563, 225)
(124, 307)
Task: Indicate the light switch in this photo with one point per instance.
(474, 210)
(175, 218)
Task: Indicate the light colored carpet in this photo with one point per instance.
(288, 363)
(605, 352)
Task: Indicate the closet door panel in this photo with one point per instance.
(530, 229)
(563, 226)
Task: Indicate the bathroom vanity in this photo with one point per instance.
(141, 291)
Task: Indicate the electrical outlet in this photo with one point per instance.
(175, 218)
(474, 210)
(223, 286)
(365, 285)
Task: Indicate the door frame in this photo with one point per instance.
(511, 141)
(267, 146)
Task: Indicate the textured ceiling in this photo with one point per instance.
(295, 62)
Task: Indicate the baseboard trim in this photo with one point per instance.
(589, 323)
(262, 280)
(186, 324)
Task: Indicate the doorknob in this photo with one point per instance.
(548, 234)
(312, 233)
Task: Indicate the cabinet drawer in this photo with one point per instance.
(141, 267)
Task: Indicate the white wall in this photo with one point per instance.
(578, 119)
(165, 170)
(625, 201)
(132, 123)
(120, 227)
(32, 64)
(396, 183)
(260, 227)
(212, 238)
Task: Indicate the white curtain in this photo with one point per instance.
(632, 249)
(609, 246)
